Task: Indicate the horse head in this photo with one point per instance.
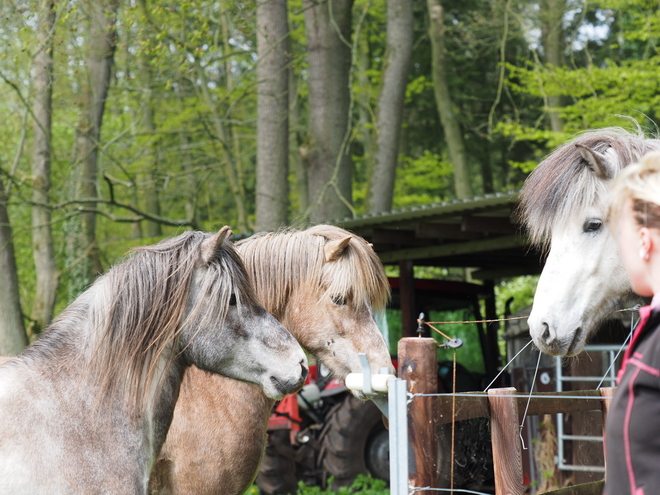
(324, 284)
(564, 205)
(226, 331)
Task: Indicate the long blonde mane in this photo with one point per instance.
(279, 262)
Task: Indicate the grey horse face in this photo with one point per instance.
(225, 330)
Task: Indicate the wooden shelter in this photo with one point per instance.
(482, 233)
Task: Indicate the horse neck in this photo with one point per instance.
(62, 356)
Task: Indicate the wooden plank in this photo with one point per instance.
(593, 488)
(407, 298)
(476, 406)
(454, 248)
(443, 231)
(466, 408)
(471, 223)
(543, 403)
(419, 367)
(398, 236)
(507, 450)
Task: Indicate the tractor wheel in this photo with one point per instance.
(277, 474)
(355, 441)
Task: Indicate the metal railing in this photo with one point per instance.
(610, 353)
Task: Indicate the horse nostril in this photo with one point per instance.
(546, 333)
(305, 370)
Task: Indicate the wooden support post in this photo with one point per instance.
(407, 298)
(507, 450)
(492, 349)
(607, 393)
(418, 365)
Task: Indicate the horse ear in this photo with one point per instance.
(599, 163)
(212, 245)
(334, 249)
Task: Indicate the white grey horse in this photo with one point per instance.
(86, 408)
(564, 205)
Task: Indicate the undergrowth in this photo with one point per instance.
(365, 485)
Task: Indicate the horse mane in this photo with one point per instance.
(562, 184)
(277, 262)
(135, 312)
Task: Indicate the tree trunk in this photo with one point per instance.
(150, 175)
(225, 142)
(13, 338)
(42, 238)
(272, 115)
(330, 168)
(364, 113)
(390, 103)
(296, 140)
(450, 124)
(552, 38)
(101, 44)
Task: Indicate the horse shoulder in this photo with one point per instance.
(215, 418)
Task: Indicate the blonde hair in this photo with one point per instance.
(640, 183)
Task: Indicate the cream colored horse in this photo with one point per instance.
(323, 284)
(86, 408)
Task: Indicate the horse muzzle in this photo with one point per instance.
(284, 386)
(551, 341)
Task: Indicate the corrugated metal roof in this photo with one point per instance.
(444, 208)
(480, 232)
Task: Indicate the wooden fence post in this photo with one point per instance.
(505, 437)
(418, 365)
(607, 393)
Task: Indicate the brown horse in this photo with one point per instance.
(323, 285)
(85, 409)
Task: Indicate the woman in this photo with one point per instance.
(633, 423)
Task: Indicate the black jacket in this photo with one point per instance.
(632, 433)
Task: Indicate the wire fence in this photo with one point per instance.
(463, 460)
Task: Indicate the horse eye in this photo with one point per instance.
(339, 300)
(592, 225)
(232, 300)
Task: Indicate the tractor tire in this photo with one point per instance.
(355, 441)
(277, 474)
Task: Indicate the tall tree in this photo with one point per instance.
(272, 115)
(443, 99)
(330, 167)
(101, 44)
(552, 37)
(13, 338)
(390, 103)
(150, 174)
(42, 237)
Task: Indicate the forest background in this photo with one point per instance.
(124, 121)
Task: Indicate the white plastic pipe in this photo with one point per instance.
(355, 381)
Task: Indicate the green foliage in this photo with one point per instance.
(521, 289)
(422, 180)
(365, 485)
(194, 63)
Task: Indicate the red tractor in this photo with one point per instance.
(324, 433)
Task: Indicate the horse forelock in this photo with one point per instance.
(280, 262)
(358, 273)
(562, 185)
